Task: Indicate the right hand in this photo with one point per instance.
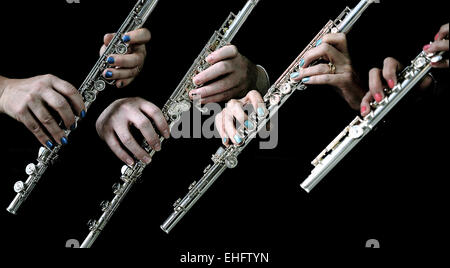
(28, 100)
(234, 112)
(114, 125)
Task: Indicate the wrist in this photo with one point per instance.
(262, 83)
(3, 84)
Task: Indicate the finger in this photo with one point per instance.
(121, 83)
(230, 128)
(324, 79)
(226, 52)
(108, 38)
(115, 74)
(365, 104)
(114, 145)
(144, 125)
(236, 108)
(32, 125)
(137, 37)
(220, 128)
(441, 45)
(217, 70)
(376, 85)
(390, 68)
(127, 139)
(69, 91)
(441, 64)
(443, 32)
(220, 97)
(337, 40)
(126, 61)
(254, 97)
(219, 86)
(311, 71)
(325, 51)
(44, 116)
(60, 105)
(153, 112)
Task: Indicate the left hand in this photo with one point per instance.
(125, 68)
(230, 75)
(332, 48)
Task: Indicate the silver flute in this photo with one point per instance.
(178, 103)
(360, 127)
(89, 89)
(276, 96)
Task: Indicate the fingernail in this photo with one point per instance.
(166, 134)
(196, 82)
(147, 159)
(83, 114)
(363, 109)
(74, 126)
(436, 37)
(426, 47)
(248, 124)
(64, 141)
(391, 83)
(108, 74)
(378, 97)
(126, 38)
(49, 144)
(295, 75)
(302, 62)
(130, 162)
(318, 42)
(120, 84)
(110, 60)
(225, 140)
(260, 111)
(209, 58)
(306, 79)
(158, 147)
(237, 138)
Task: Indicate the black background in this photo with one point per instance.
(390, 188)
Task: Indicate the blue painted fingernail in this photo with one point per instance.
(225, 140)
(110, 60)
(49, 144)
(248, 124)
(260, 111)
(237, 138)
(306, 79)
(295, 75)
(318, 42)
(108, 74)
(64, 140)
(126, 38)
(302, 62)
(74, 126)
(83, 114)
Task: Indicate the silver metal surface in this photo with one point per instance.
(178, 103)
(276, 96)
(360, 127)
